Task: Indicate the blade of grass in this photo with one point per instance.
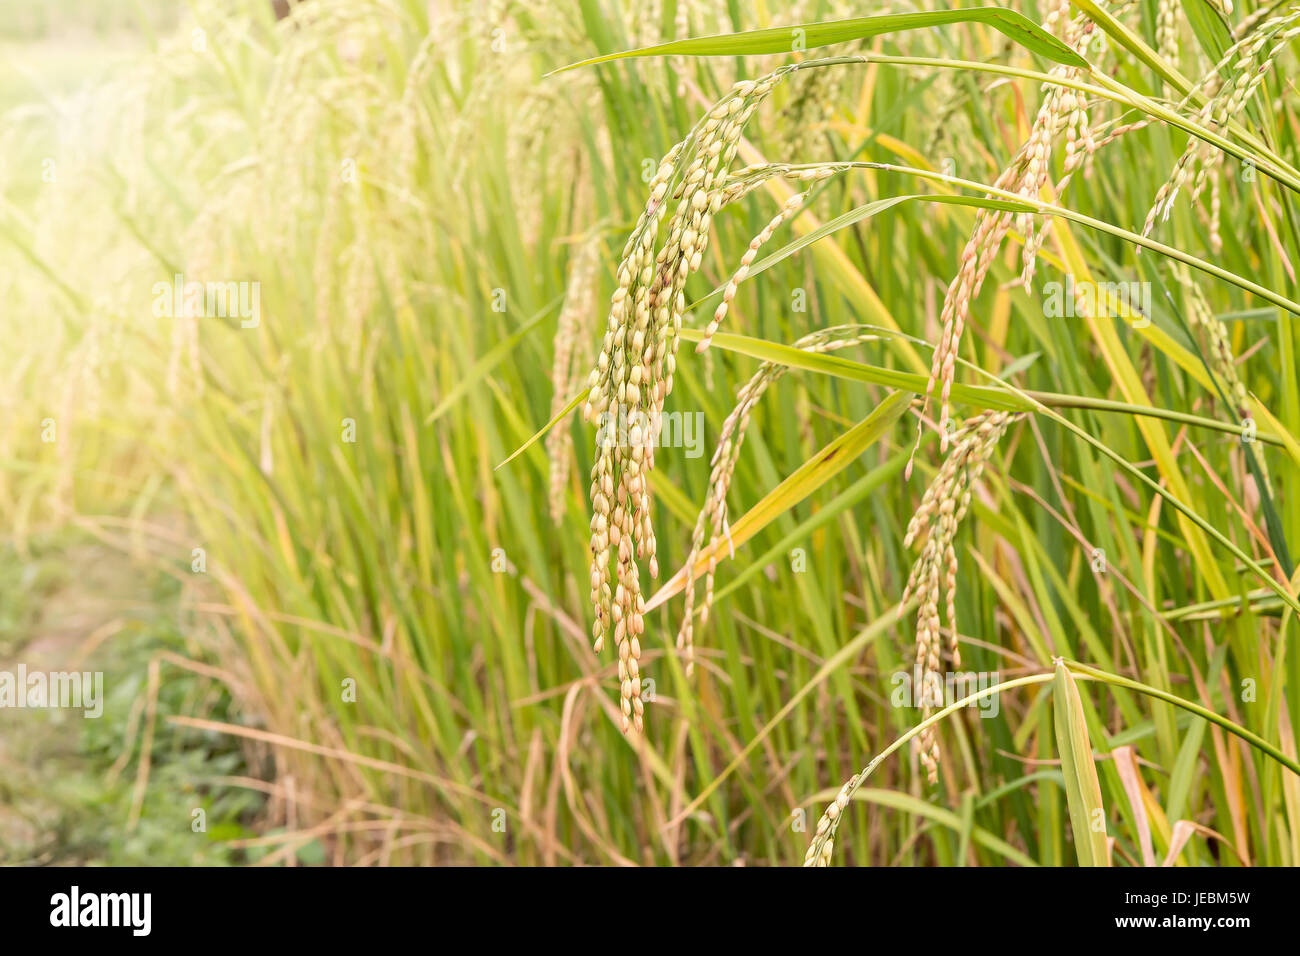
(1082, 789)
(1014, 26)
(830, 461)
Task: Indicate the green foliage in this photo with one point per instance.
(409, 191)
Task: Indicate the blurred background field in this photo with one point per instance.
(328, 620)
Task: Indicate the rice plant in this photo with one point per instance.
(959, 535)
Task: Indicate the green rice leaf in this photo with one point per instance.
(806, 479)
(1082, 789)
(1015, 26)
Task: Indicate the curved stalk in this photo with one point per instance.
(1081, 671)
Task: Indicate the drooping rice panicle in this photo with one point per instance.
(712, 520)
(934, 576)
(789, 209)
(634, 370)
(1167, 30)
(572, 355)
(1062, 111)
(1250, 59)
(811, 106)
(829, 818)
